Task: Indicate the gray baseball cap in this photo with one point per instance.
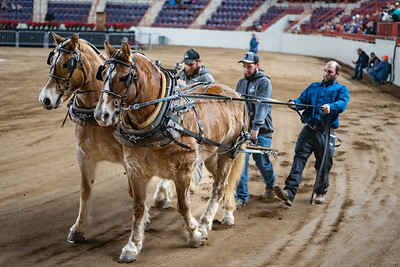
(250, 57)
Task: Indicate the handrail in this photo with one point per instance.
(300, 18)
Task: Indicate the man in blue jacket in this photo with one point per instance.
(254, 43)
(381, 72)
(333, 98)
(257, 84)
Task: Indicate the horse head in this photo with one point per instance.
(73, 66)
(128, 79)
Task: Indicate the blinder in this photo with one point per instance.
(100, 70)
(132, 76)
(72, 62)
(51, 54)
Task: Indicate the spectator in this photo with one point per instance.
(257, 84)
(333, 97)
(372, 62)
(361, 64)
(254, 44)
(370, 28)
(396, 15)
(381, 72)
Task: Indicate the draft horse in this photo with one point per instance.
(74, 63)
(158, 130)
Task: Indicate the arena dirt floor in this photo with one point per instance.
(39, 180)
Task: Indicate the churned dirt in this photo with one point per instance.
(39, 180)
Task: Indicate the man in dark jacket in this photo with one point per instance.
(361, 63)
(257, 84)
(333, 98)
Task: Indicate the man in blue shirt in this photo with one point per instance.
(381, 72)
(333, 98)
(254, 44)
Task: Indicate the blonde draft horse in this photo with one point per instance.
(223, 122)
(93, 143)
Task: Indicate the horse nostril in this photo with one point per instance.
(46, 102)
(106, 115)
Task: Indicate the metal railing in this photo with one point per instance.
(32, 38)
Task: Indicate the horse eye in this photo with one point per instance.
(124, 78)
(65, 65)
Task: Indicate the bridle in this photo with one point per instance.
(132, 78)
(75, 58)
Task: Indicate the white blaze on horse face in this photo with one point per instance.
(49, 95)
(107, 113)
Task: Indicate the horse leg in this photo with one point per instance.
(88, 169)
(220, 174)
(140, 219)
(163, 194)
(226, 174)
(229, 196)
(183, 195)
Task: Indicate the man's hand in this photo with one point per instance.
(253, 134)
(326, 109)
(292, 102)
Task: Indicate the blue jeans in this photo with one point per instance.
(309, 141)
(358, 70)
(263, 164)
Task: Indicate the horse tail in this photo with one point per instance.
(233, 180)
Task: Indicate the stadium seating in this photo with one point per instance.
(179, 15)
(366, 8)
(18, 10)
(230, 14)
(320, 16)
(69, 11)
(125, 13)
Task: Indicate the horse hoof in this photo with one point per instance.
(147, 226)
(126, 258)
(194, 244)
(228, 222)
(164, 204)
(75, 237)
(203, 232)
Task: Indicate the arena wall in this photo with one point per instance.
(340, 49)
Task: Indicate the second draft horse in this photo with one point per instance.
(133, 87)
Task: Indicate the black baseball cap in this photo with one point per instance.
(190, 56)
(250, 57)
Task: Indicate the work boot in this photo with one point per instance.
(239, 204)
(269, 192)
(319, 199)
(283, 195)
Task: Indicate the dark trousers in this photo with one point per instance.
(358, 70)
(310, 141)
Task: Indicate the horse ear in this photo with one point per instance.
(126, 51)
(57, 39)
(110, 50)
(74, 41)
